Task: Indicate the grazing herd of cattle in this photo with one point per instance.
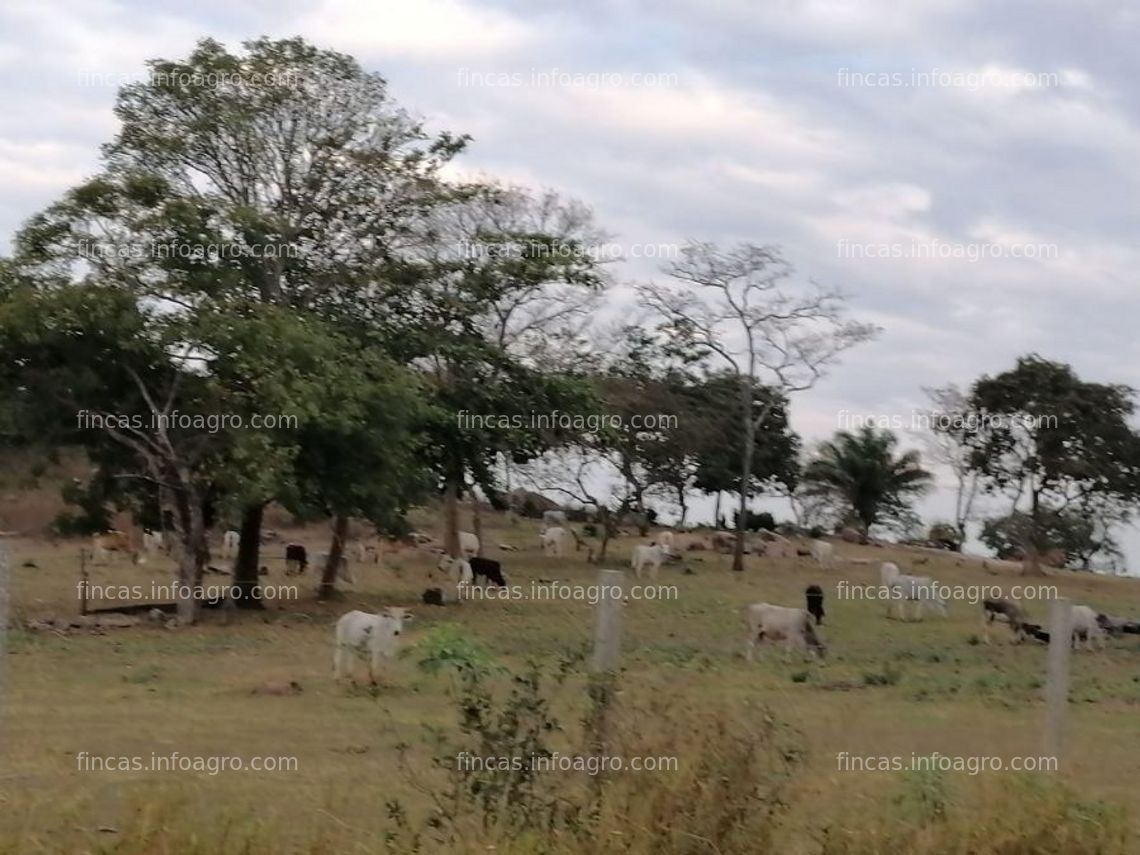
(374, 637)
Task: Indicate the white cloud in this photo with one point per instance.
(438, 31)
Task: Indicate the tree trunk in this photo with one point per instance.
(1031, 562)
(684, 507)
(745, 473)
(716, 511)
(336, 556)
(451, 519)
(247, 565)
(607, 532)
(191, 561)
(477, 522)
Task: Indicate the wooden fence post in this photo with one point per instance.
(3, 639)
(607, 622)
(1057, 685)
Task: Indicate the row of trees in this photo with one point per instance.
(288, 243)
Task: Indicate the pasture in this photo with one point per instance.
(887, 688)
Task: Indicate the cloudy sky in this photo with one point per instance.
(966, 170)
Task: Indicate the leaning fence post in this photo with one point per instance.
(1057, 685)
(607, 621)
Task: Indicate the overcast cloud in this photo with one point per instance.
(997, 141)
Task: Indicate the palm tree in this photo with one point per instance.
(860, 473)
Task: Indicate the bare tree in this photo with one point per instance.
(516, 276)
(945, 445)
(745, 312)
(584, 475)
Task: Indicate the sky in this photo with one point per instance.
(965, 171)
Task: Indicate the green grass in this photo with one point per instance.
(887, 688)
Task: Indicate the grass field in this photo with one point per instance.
(888, 688)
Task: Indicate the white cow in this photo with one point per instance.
(468, 544)
(1087, 627)
(794, 626)
(648, 556)
(665, 538)
(370, 636)
(457, 569)
(230, 541)
(552, 518)
(902, 588)
(553, 541)
(823, 553)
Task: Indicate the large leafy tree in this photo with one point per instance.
(281, 175)
(865, 478)
(1052, 442)
(1078, 537)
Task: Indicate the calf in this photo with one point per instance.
(296, 559)
(432, 596)
(648, 556)
(794, 626)
(666, 539)
(490, 571)
(814, 596)
(371, 636)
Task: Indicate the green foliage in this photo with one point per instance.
(1076, 537)
(725, 786)
(721, 447)
(1042, 434)
(449, 647)
(860, 474)
(93, 514)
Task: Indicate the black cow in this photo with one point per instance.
(814, 595)
(433, 597)
(490, 570)
(296, 559)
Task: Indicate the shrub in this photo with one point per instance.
(719, 783)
